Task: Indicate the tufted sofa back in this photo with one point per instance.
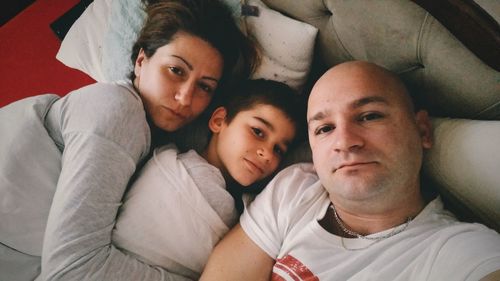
(443, 75)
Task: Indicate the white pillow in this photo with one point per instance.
(82, 46)
(287, 45)
(100, 41)
(464, 164)
(120, 36)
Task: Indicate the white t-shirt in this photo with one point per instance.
(168, 216)
(283, 221)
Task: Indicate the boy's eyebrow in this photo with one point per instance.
(265, 122)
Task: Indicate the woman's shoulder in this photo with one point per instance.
(112, 111)
(117, 100)
(113, 92)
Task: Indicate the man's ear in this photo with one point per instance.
(217, 119)
(425, 128)
(138, 62)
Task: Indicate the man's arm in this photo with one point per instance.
(237, 257)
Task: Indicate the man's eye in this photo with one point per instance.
(323, 129)
(370, 116)
(258, 132)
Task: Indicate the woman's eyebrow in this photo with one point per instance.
(190, 66)
(185, 61)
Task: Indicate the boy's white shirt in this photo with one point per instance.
(165, 220)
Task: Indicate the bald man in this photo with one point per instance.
(357, 212)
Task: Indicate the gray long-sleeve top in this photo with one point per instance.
(90, 141)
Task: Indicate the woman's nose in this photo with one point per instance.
(184, 94)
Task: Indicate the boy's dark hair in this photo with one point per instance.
(267, 92)
(264, 92)
(211, 20)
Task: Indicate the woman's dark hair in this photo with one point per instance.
(210, 20)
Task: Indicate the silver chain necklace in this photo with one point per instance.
(352, 233)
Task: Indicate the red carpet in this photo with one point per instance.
(28, 50)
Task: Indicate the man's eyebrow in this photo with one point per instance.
(355, 104)
(367, 100)
(191, 68)
(318, 116)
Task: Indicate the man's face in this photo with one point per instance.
(365, 139)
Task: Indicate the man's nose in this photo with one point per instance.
(347, 139)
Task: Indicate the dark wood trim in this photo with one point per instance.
(471, 24)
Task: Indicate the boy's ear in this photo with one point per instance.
(217, 119)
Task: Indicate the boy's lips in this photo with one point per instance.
(253, 166)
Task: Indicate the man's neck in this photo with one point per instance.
(365, 221)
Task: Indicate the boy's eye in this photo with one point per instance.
(370, 116)
(323, 129)
(279, 151)
(258, 132)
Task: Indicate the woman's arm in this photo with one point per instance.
(237, 257)
(104, 139)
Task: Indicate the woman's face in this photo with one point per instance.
(178, 82)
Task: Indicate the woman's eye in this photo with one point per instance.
(323, 129)
(176, 70)
(370, 116)
(258, 132)
(206, 88)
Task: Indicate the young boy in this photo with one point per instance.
(180, 207)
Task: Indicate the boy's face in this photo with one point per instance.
(251, 146)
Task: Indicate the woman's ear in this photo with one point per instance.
(138, 62)
(217, 119)
(425, 128)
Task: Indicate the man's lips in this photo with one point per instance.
(254, 166)
(352, 165)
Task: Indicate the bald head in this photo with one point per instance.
(366, 140)
(361, 76)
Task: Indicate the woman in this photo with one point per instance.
(66, 161)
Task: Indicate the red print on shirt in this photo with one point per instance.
(290, 268)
